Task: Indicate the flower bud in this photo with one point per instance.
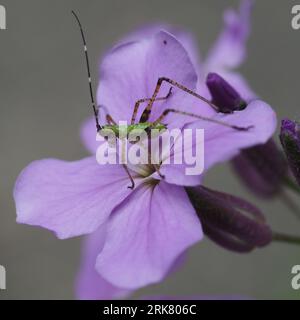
(224, 96)
(290, 140)
(225, 221)
(262, 168)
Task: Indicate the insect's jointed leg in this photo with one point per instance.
(137, 104)
(167, 111)
(110, 120)
(108, 117)
(130, 177)
(147, 111)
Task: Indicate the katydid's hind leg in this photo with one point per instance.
(130, 177)
(146, 114)
(167, 111)
(137, 104)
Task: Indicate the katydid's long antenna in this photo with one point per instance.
(95, 109)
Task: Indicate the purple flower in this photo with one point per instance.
(290, 140)
(142, 232)
(229, 50)
(226, 54)
(145, 229)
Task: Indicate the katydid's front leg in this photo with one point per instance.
(137, 104)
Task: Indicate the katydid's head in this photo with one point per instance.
(136, 131)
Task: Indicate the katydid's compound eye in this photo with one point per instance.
(165, 42)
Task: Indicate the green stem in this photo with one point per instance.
(290, 204)
(281, 237)
(291, 185)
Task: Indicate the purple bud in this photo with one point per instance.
(225, 221)
(290, 140)
(224, 96)
(225, 240)
(262, 168)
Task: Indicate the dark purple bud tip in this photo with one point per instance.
(224, 96)
(290, 140)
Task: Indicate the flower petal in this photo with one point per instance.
(89, 284)
(223, 143)
(184, 37)
(229, 51)
(69, 198)
(88, 135)
(130, 72)
(181, 165)
(146, 235)
(176, 174)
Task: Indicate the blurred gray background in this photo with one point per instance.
(44, 99)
